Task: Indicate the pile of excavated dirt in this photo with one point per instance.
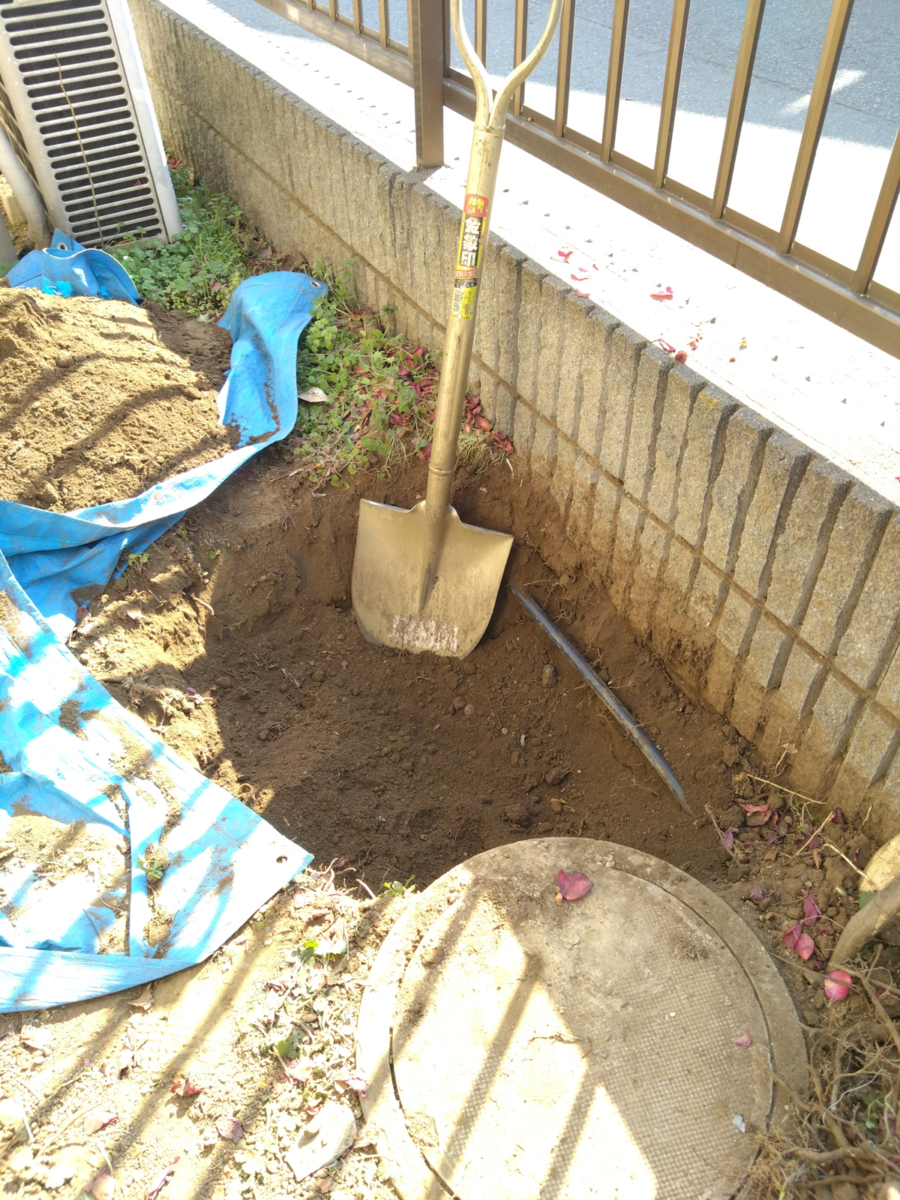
(100, 399)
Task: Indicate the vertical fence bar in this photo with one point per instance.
(881, 219)
(426, 51)
(674, 59)
(384, 22)
(481, 29)
(740, 90)
(357, 17)
(614, 77)
(564, 66)
(332, 11)
(815, 119)
(520, 49)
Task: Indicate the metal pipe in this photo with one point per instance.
(815, 119)
(740, 90)
(564, 67)
(25, 192)
(674, 62)
(884, 210)
(655, 758)
(614, 77)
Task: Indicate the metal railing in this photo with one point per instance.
(846, 294)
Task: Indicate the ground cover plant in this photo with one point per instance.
(367, 394)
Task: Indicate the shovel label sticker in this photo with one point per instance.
(468, 256)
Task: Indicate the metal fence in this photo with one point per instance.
(844, 292)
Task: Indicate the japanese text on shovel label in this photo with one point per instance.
(468, 257)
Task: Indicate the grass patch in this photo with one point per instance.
(381, 393)
(198, 270)
(380, 390)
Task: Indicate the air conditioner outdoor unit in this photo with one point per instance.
(75, 104)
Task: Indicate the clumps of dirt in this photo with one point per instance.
(100, 399)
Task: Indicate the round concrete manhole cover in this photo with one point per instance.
(589, 1049)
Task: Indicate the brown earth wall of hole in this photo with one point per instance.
(406, 764)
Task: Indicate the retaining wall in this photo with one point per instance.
(764, 575)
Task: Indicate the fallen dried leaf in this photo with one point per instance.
(230, 1128)
(163, 1179)
(144, 1000)
(103, 1187)
(574, 886)
(183, 1087)
(99, 1120)
(135, 614)
(357, 1084)
(34, 1037)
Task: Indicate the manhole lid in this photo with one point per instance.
(574, 1051)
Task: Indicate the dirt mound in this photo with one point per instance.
(100, 399)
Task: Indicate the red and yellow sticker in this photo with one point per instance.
(468, 256)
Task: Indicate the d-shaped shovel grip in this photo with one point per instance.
(486, 113)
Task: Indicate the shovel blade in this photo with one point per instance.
(387, 580)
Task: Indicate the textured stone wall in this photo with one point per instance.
(764, 575)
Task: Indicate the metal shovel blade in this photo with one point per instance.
(387, 580)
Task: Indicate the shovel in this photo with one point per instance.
(422, 578)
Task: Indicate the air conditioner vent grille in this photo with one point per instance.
(66, 103)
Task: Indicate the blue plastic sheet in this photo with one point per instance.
(65, 268)
(69, 753)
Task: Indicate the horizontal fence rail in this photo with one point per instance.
(846, 294)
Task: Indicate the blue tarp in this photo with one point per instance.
(71, 753)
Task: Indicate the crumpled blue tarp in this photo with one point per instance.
(70, 753)
(63, 559)
(66, 268)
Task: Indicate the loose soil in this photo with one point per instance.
(235, 639)
(99, 399)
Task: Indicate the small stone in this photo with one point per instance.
(557, 807)
(730, 756)
(529, 783)
(555, 776)
(263, 734)
(545, 827)
(518, 815)
(729, 732)
(469, 668)
(469, 710)
(121, 584)
(791, 887)
(549, 676)
(223, 683)
(48, 493)
(318, 676)
(407, 767)
(775, 801)
(458, 704)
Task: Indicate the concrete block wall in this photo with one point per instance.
(763, 575)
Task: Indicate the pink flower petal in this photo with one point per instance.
(744, 1040)
(798, 940)
(811, 910)
(837, 985)
(757, 894)
(574, 886)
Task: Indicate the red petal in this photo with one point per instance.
(579, 278)
(837, 985)
(574, 886)
(744, 1040)
(565, 255)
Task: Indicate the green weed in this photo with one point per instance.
(198, 270)
(381, 391)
